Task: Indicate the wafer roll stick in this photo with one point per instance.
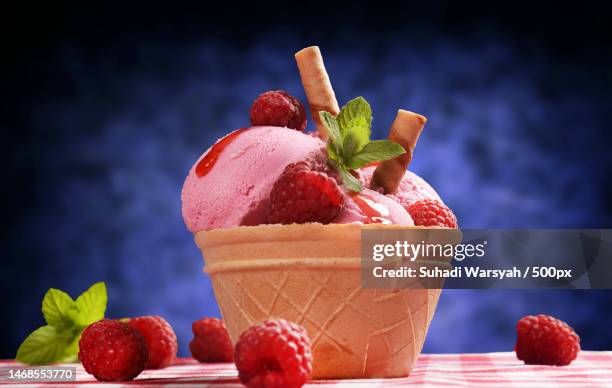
(405, 131)
(317, 86)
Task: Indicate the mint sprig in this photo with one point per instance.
(58, 341)
(349, 146)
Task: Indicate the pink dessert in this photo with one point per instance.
(258, 200)
(236, 189)
(231, 183)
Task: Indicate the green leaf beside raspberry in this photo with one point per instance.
(349, 146)
(55, 307)
(91, 305)
(66, 319)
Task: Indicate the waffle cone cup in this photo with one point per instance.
(311, 274)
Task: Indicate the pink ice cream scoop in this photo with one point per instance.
(412, 188)
(369, 207)
(230, 184)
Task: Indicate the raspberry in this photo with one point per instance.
(275, 353)
(280, 109)
(112, 351)
(544, 340)
(431, 212)
(301, 195)
(160, 340)
(211, 341)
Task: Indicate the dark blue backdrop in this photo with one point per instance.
(107, 109)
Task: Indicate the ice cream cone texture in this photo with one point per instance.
(310, 274)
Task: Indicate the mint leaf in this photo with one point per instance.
(349, 146)
(375, 151)
(43, 346)
(350, 181)
(91, 305)
(55, 307)
(355, 121)
(355, 137)
(333, 130)
(331, 153)
(59, 340)
(356, 109)
(71, 353)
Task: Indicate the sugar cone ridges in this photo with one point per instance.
(310, 274)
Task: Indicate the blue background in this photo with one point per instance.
(106, 109)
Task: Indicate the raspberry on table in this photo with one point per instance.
(545, 340)
(275, 353)
(111, 350)
(160, 340)
(302, 195)
(431, 212)
(211, 341)
(280, 109)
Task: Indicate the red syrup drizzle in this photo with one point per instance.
(209, 161)
(373, 164)
(376, 213)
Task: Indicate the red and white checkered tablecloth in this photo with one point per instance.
(591, 369)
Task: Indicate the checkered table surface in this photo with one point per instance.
(591, 369)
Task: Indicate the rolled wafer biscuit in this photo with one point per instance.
(317, 86)
(405, 131)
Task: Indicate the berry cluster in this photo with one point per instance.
(160, 340)
(280, 109)
(544, 340)
(113, 351)
(302, 195)
(275, 353)
(118, 350)
(211, 341)
(430, 212)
